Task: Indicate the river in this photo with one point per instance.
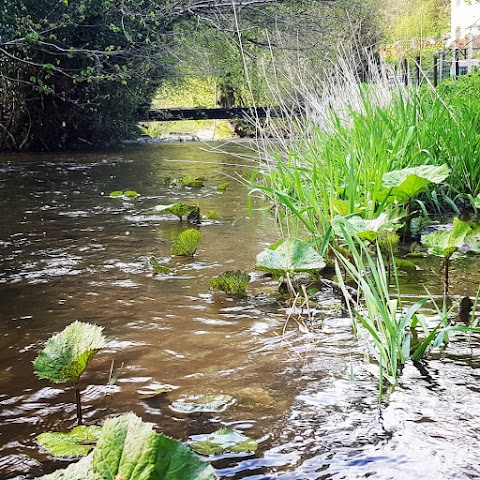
(70, 252)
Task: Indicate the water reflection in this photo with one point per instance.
(69, 251)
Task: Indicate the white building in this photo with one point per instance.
(465, 21)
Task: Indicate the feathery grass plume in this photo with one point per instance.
(186, 243)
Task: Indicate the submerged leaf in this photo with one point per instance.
(203, 403)
(213, 215)
(128, 449)
(77, 443)
(406, 183)
(235, 282)
(68, 353)
(224, 441)
(444, 243)
(131, 194)
(186, 243)
(289, 256)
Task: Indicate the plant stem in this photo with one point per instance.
(445, 286)
(78, 402)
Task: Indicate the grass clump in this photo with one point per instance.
(186, 243)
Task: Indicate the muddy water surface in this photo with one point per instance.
(69, 252)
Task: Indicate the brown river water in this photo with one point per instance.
(69, 252)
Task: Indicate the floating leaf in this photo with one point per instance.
(178, 209)
(186, 243)
(68, 353)
(223, 186)
(77, 443)
(203, 403)
(129, 449)
(235, 282)
(126, 194)
(224, 441)
(116, 193)
(407, 183)
(157, 268)
(131, 194)
(444, 243)
(291, 255)
(403, 264)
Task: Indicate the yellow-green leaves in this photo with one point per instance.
(76, 443)
(444, 243)
(67, 354)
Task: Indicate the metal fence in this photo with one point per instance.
(445, 64)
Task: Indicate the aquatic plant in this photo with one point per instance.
(213, 215)
(67, 354)
(289, 256)
(192, 182)
(186, 243)
(444, 243)
(235, 282)
(128, 194)
(224, 440)
(76, 443)
(223, 186)
(156, 267)
(129, 449)
(178, 209)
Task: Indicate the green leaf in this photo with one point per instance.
(192, 182)
(363, 229)
(128, 449)
(407, 183)
(186, 243)
(444, 243)
(224, 441)
(223, 186)
(203, 403)
(67, 354)
(289, 256)
(235, 282)
(157, 268)
(116, 194)
(213, 215)
(77, 443)
(178, 209)
(131, 194)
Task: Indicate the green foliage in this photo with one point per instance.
(289, 256)
(223, 186)
(213, 215)
(224, 440)
(405, 184)
(186, 243)
(444, 243)
(76, 443)
(67, 354)
(127, 194)
(203, 403)
(192, 182)
(365, 229)
(235, 282)
(178, 209)
(129, 449)
(157, 268)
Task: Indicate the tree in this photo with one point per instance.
(76, 72)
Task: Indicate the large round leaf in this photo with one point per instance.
(290, 256)
(76, 443)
